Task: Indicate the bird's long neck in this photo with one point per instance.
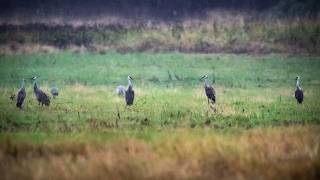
(35, 86)
(22, 85)
(129, 83)
(206, 83)
(298, 84)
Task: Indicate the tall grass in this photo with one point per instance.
(269, 153)
(218, 31)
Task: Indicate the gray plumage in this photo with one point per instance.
(54, 91)
(120, 90)
(41, 97)
(299, 92)
(209, 90)
(129, 94)
(21, 95)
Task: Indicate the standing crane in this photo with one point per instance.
(54, 91)
(299, 92)
(129, 94)
(209, 90)
(121, 90)
(21, 95)
(41, 97)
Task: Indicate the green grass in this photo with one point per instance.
(252, 91)
(257, 131)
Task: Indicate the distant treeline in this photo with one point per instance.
(206, 26)
(61, 36)
(168, 9)
(221, 33)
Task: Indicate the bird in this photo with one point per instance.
(121, 90)
(129, 94)
(40, 95)
(21, 95)
(54, 91)
(299, 92)
(209, 90)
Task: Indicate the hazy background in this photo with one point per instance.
(236, 26)
(158, 9)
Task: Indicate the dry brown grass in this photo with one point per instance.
(269, 153)
(219, 31)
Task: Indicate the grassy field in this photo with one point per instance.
(257, 131)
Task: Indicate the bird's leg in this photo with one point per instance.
(208, 101)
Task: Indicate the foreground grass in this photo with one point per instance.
(268, 153)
